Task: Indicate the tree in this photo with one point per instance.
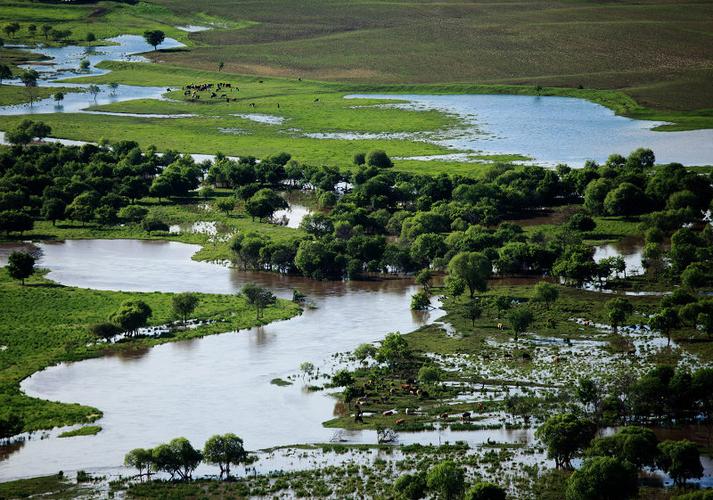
(5, 72)
(520, 319)
(665, 321)
(473, 268)
(224, 450)
(447, 480)
(603, 478)
(410, 487)
(473, 311)
(420, 301)
(394, 350)
(429, 374)
(364, 351)
(565, 437)
(154, 37)
(581, 222)
(32, 29)
(226, 205)
(91, 37)
(184, 304)
(359, 158)
(680, 460)
(153, 223)
(139, 458)
(106, 331)
(379, 159)
(264, 203)
(618, 309)
(485, 491)
(29, 80)
(423, 278)
(131, 316)
(178, 457)
(258, 297)
(27, 130)
(58, 97)
(20, 266)
(94, 90)
(46, 30)
(84, 64)
(343, 378)
(11, 29)
(15, 221)
(10, 425)
(635, 445)
(694, 276)
(547, 293)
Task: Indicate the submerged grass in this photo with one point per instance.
(87, 430)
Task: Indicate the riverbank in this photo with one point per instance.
(46, 323)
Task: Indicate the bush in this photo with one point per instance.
(379, 159)
(485, 491)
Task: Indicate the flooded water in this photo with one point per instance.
(553, 130)
(65, 63)
(630, 248)
(212, 385)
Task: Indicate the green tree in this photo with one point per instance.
(177, 458)
(131, 316)
(364, 351)
(547, 293)
(224, 450)
(665, 321)
(11, 29)
(133, 213)
(29, 80)
(473, 311)
(603, 478)
(429, 374)
(565, 437)
(485, 491)
(394, 350)
(184, 304)
(10, 425)
(447, 480)
(520, 319)
(5, 72)
(46, 30)
(635, 445)
(379, 159)
(681, 460)
(618, 309)
(342, 378)
(264, 203)
(154, 38)
(420, 301)
(226, 205)
(91, 37)
(473, 268)
(258, 297)
(20, 266)
(410, 487)
(140, 459)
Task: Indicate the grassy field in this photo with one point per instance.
(657, 51)
(105, 19)
(46, 323)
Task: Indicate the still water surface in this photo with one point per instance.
(212, 385)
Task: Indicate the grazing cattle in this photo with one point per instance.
(400, 421)
(465, 416)
(213, 95)
(500, 326)
(388, 413)
(223, 96)
(408, 411)
(444, 416)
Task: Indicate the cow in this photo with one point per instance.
(400, 421)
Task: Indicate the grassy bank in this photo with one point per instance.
(46, 323)
(11, 94)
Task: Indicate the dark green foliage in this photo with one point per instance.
(154, 37)
(410, 487)
(565, 436)
(446, 479)
(20, 266)
(485, 491)
(681, 460)
(258, 297)
(184, 304)
(636, 445)
(603, 478)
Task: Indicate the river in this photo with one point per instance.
(213, 385)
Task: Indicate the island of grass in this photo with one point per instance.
(87, 430)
